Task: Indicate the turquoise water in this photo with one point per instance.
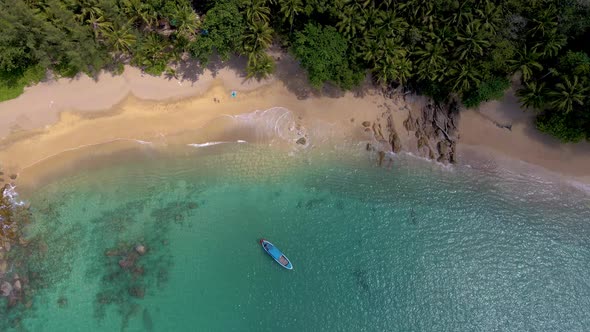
(417, 247)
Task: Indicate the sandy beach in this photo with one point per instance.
(67, 115)
(481, 129)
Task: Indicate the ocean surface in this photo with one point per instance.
(408, 246)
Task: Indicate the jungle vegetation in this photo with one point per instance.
(469, 50)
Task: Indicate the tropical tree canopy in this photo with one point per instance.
(323, 52)
(445, 49)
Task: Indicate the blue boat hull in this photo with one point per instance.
(276, 254)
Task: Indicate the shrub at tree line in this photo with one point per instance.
(441, 48)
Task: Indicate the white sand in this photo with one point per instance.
(64, 115)
(41, 104)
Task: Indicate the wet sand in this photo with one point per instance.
(481, 129)
(165, 120)
(69, 116)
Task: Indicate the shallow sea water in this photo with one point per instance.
(417, 247)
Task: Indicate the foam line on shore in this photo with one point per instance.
(201, 145)
(138, 141)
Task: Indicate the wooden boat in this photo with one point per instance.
(276, 254)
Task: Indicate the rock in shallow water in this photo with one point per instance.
(111, 253)
(6, 288)
(137, 291)
(140, 249)
(62, 302)
(301, 141)
(124, 263)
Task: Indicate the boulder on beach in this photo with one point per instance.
(301, 141)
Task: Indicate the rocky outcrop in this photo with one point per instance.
(435, 129)
(430, 131)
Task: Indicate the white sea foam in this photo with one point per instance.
(583, 187)
(88, 146)
(143, 142)
(200, 145)
(275, 122)
(447, 167)
(12, 196)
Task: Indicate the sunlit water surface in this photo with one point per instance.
(417, 247)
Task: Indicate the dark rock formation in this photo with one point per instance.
(148, 323)
(6, 288)
(436, 131)
(137, 292)
(431, 130)
(62, 302)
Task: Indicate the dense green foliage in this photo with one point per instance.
(222, 30)
(12, 83)
(488, 90)
(443, 48)
(324, 54)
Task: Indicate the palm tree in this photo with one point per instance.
(392, 68)
(443, 35)
(186, 21)
(260, 65)
(462, 16)
(465, 77)
(491, 16)
(88, 11)
(96, 19)
(386, 4)
(421, 11)
(473, 40)
(121, 39)
(566, 95)
(290, 9)
(257, 37)
(546, 21)
(431, 61)
(533, 95)
(352, 20)
(378, 45)
(153, 47)
(391, 23)
(526, 62)
(553, 42)
(137, 10)
(256, 10)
